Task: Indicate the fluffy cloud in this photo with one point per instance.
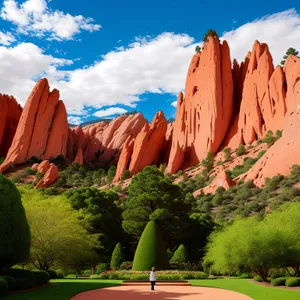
(148, 65)
(110, 112)
(174, 103)
(34, 17)
(6, 38)
(74, 120)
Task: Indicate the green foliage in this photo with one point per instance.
(12, 284)
(101, 268)
(197, 49)
(241, 150)
(41, 277)
(278, 281)
(210, 32)
(257, 278)
(117, 257)
(33, 160)
(126, 175)
(111, 173)
(180, 255)
(101, 216)
(55, 274)
(278, 134)
(289, 51)
(3, 287)
(151, 251)
(126, 265)
(292, 282)
(227, 154)
(208, 163)
(25, 279)
(29, 171)
(14, 233)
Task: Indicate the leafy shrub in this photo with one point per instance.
(126, 265)
(126, 175)
(217, 200)
(11, 283)
(208, 163)
(55, 274)
(180, 255)
(101, 268)
(71, 276)
(261, 153)
(240, 150)
(257, 278)
(227, 154)
(86, 273)
(41, 277)
(280, 281)
(117, 257)
(3, 287)
(25, 279)
(95, 276)
(244, 275)
(291, 282)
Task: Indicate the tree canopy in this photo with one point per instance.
(14, 232)
(210, 32)
(289, 51)
(117, 257)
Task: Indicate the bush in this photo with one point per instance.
(3, 287)
(126, 175)
(227, 154)
(126, 265)
(25, 279)
(11, 283)
(117, 257)
(71, 276)
(41, 277)
(101, 268)
(217, 200)
(291, 282)
(55, 274)
(278, 281)
(15, 240)
(180, 255)
(240, 150)
(257, 278)
(86, 273)
(95, 276)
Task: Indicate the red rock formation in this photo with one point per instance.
(10, 115)
(149, 144)
(204, 115)
(43, 167)
(79, 157)
(124, 159)
(42, 129)
(34, 166)
(50, 177)
(285, 152)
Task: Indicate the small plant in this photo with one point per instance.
(241, 150)
(126, 175)
(227, 154)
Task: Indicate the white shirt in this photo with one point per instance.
(152, 276)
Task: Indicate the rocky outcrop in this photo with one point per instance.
(205, 113)
(50, 177)
(43, 167)
(42, 129)
(149, 144)
(285, 152)
(10, 114)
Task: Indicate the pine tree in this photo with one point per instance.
(210, 32)
(117, 257)
(289, 51)
(180, 255)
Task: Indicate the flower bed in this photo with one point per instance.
(144, 275)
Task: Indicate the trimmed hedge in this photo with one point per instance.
(160, 275)
(25, 279)
(117, 257)
(41, 277)
(257, 278)
(55, 274)
(278, 281)
(180, 255)
(101, 268)
(12, 284)
(3, 287)
(293, 281)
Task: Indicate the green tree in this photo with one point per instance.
(198, 49)
(14, 233)
(126, 175)
(102, 217)
(227, 154)
(241, 150)
(208, 163)
(58, 236)
(151, 250)
(180, 256)
(117, 257)
(111, 173)
(289, 51)
(210, 32)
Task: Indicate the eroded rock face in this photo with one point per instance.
(50, 177)
(204, 114)
(285, 152)
(43, 167)
(10, 114)
(148, 144)
(42, 129)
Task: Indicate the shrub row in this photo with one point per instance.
(286, 281)
(144, 275)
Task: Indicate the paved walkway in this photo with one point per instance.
(161, 293)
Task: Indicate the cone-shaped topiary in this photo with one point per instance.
(14, 229)
(117, 257)
(180, 255)
(151, 250)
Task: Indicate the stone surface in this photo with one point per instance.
(43, 167)
(148, 144)
(34, 166)
(50, 177)
(79, 157)
(204, 114)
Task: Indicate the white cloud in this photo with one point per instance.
(174, 103)
(74, 120)
(280, 31)
(34, 17)
(6, 38)
(148, 65)
(110, 112)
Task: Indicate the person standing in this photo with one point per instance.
(152, 278)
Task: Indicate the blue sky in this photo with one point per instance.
(112, 56)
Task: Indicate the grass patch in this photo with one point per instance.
(255, 291)
(64, 289)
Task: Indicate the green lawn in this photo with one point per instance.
(255, 291)
(64, 289)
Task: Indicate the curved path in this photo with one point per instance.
(161, 293)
